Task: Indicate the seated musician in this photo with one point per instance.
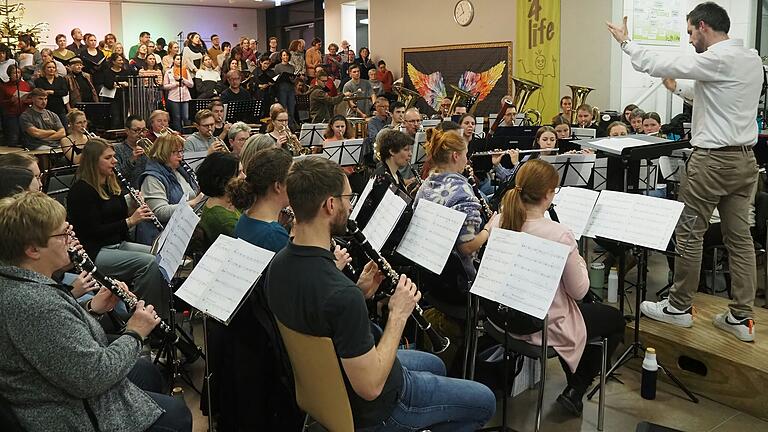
(203, 139)
(562, 127)
(220, 126)
(23, 161)
(449, 187)
(584, 117)
(338, 129)
(509, 116)
(166, 184)
(42, 128)
(101, 217)
(431, 134)
(394, 150)
(627, 114)
(237, 136)
(60, 371)
(387, 388)
(443, 110)
(566, 107)
(380, 117)
(397, 112)
(17, 179)
(278, 133)
(411, 122)
(234, 92)
(72, 144)
(570, 323)
(617, 129)
(545, 138)
(131, 157)
(652, 124)
(321, 105)
(158, 124)
(636, 120)
(467, 123)
(459, 109)
(219, 215)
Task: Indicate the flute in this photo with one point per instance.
(136, 196)
(83, 263)
(501, 152)
(391, 278)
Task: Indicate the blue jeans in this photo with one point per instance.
(431, 400)
(179, 115)
(286, 95)
(12, 131)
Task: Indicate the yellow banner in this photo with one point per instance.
(537, 53)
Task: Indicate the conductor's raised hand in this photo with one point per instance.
(404, 299)
(619, 31)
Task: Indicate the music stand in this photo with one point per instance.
(311, 134)
(419, 154)
(246, 111)
(98, 114)
(572, 173)
(345, 153)
(58, 181)
(198, 105)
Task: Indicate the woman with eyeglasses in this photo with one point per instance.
(166, 184)
(102, 219)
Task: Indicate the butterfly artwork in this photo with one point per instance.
(432, 86)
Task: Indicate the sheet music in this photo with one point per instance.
(574, 207)
(311, 134)
(345, 153)
(521, 271)
(176, 235)
(363, 196)
(25, 59)
(579, 169)
(635, 219)
(384, 219)
(419, 153)
(224, 276)
(431, 235)
(105, 92)
(648, 174)
(673, 166)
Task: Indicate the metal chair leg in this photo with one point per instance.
(467, 336)
(306, 424)
(603, 369)
(543, 361)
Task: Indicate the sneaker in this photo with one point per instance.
(664, 312)
(743, 328)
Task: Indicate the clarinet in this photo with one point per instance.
(348, 267)
(391, 279)
(136, 197)
(185, 166)
(486, 209)
(83, 263)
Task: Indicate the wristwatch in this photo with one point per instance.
(624, 44)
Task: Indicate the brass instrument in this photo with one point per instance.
(460, 95)
(145, 143)
(166, 130)
(360, 125)
(294, 145)
(89, 134)
(224, 148)
(579, 97)
(523, 91)
(405, 95)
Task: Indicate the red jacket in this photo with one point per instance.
(10, 106)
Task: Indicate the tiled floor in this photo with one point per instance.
(624, 406)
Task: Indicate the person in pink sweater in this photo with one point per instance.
(571, 323)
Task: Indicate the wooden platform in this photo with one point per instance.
(727, 370)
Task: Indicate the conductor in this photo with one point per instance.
(726, 80)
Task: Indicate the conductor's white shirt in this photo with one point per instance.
(727, 80)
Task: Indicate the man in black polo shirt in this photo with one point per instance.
(386, 388)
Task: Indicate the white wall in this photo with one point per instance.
(635, 84)
(168, 20)
(90, 16)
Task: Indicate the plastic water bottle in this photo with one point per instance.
(648, 379)
(613, 285)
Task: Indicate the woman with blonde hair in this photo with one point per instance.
(165, 183)
(72, 144)
(102, 219)
(571, 324)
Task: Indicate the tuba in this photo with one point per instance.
(579, 97)
(523, 91)
(459, 96)
(405, 95)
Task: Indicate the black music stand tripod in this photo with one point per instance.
(636, 349)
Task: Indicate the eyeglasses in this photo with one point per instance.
(67, 236)
(352, 198)
(178, 152)
(140, 130)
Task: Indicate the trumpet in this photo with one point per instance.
(223, 146)
(136, 196)
(89, 134)
(166, 130)
(294, 145)
(145, 143)
(501, 152)
(391, 279)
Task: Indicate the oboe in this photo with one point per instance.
(83, 263)
(470, 174)
(136, 196)
(391, 279)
